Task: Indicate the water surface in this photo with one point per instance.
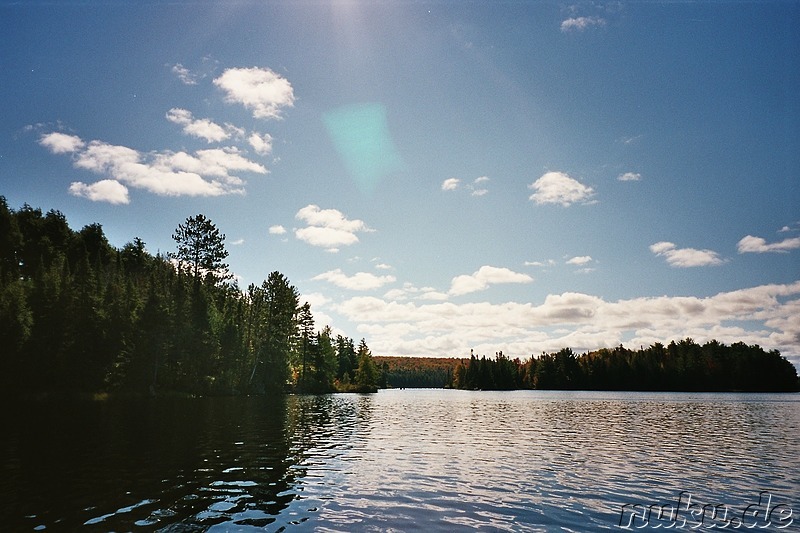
(401, 460)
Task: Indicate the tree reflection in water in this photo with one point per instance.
(202, 463)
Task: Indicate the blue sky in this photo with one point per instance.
(436, 176)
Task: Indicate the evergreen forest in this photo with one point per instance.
(682, 366)
(78, 315)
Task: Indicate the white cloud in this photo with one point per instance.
(450, 184)
(260, 90)
(483, 277)
(581, 23)
(360, 281)
(630, 176)
(476, 188)
(61, 143)
(549, 262)
(329, 238)
(404, 293)
(110, 191)
(262, 144)
(277, 230)
(559, 188)
(410, 291)
(218, 161)
(206, 173)
(750, 244)
(328, 228)
(237, 242)
(184, 74)
(685, 257)
(315, 299)
(580, 260)
(331, 218)
(201, 128)
(433, 295)
(383, 266)
(580, 321)
(215, 162)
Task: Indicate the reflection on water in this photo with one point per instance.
(397, 460)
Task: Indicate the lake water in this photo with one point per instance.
(401, 460)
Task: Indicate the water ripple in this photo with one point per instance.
(411, 460)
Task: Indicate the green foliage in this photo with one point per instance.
(682, 366)
(201, 249)
(76, 314)
(367, 371)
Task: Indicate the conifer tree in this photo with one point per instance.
(201, 249)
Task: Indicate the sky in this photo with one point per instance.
(436, 176)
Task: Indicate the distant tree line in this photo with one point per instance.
(416, 372)
(77, 314)
(681, 366)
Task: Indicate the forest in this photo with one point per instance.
(682, 366)
(78, 315)
(416, 372)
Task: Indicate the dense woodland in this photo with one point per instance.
(417, 372)
(77, 314)
(681, 366)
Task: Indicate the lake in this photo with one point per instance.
(403, 460)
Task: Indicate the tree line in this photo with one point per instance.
(416, 372)
(77, 314)
(682, 366)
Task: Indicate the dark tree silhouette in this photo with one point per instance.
(201, 249)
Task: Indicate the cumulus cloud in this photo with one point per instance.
(61, 143)
(261, 143)
(277, 230)
(450, 184)
(483, 277)
(201, 128)
(408, 290)
(581, 23)
(260, 90)
(685, 257)
(580, 321)
(110, 191)
(750, 244)
(166, 173)
(328, 228)
(630, 176)
(559, 188)
(360, 281)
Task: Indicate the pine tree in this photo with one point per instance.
(367, 372)
(201, 249)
